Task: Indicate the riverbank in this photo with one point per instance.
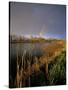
(30, 67)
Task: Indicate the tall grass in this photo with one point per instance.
(35, 72)
(57, 71)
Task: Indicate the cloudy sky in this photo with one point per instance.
(38, 19)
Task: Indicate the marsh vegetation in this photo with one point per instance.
(37, 64)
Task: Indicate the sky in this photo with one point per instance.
(38, 20)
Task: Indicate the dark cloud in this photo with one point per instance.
(26, 19)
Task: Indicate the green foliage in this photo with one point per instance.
(57, 72)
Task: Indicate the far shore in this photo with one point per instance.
(37, 41)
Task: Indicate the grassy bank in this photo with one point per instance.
(48, 69)
(57, 70)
